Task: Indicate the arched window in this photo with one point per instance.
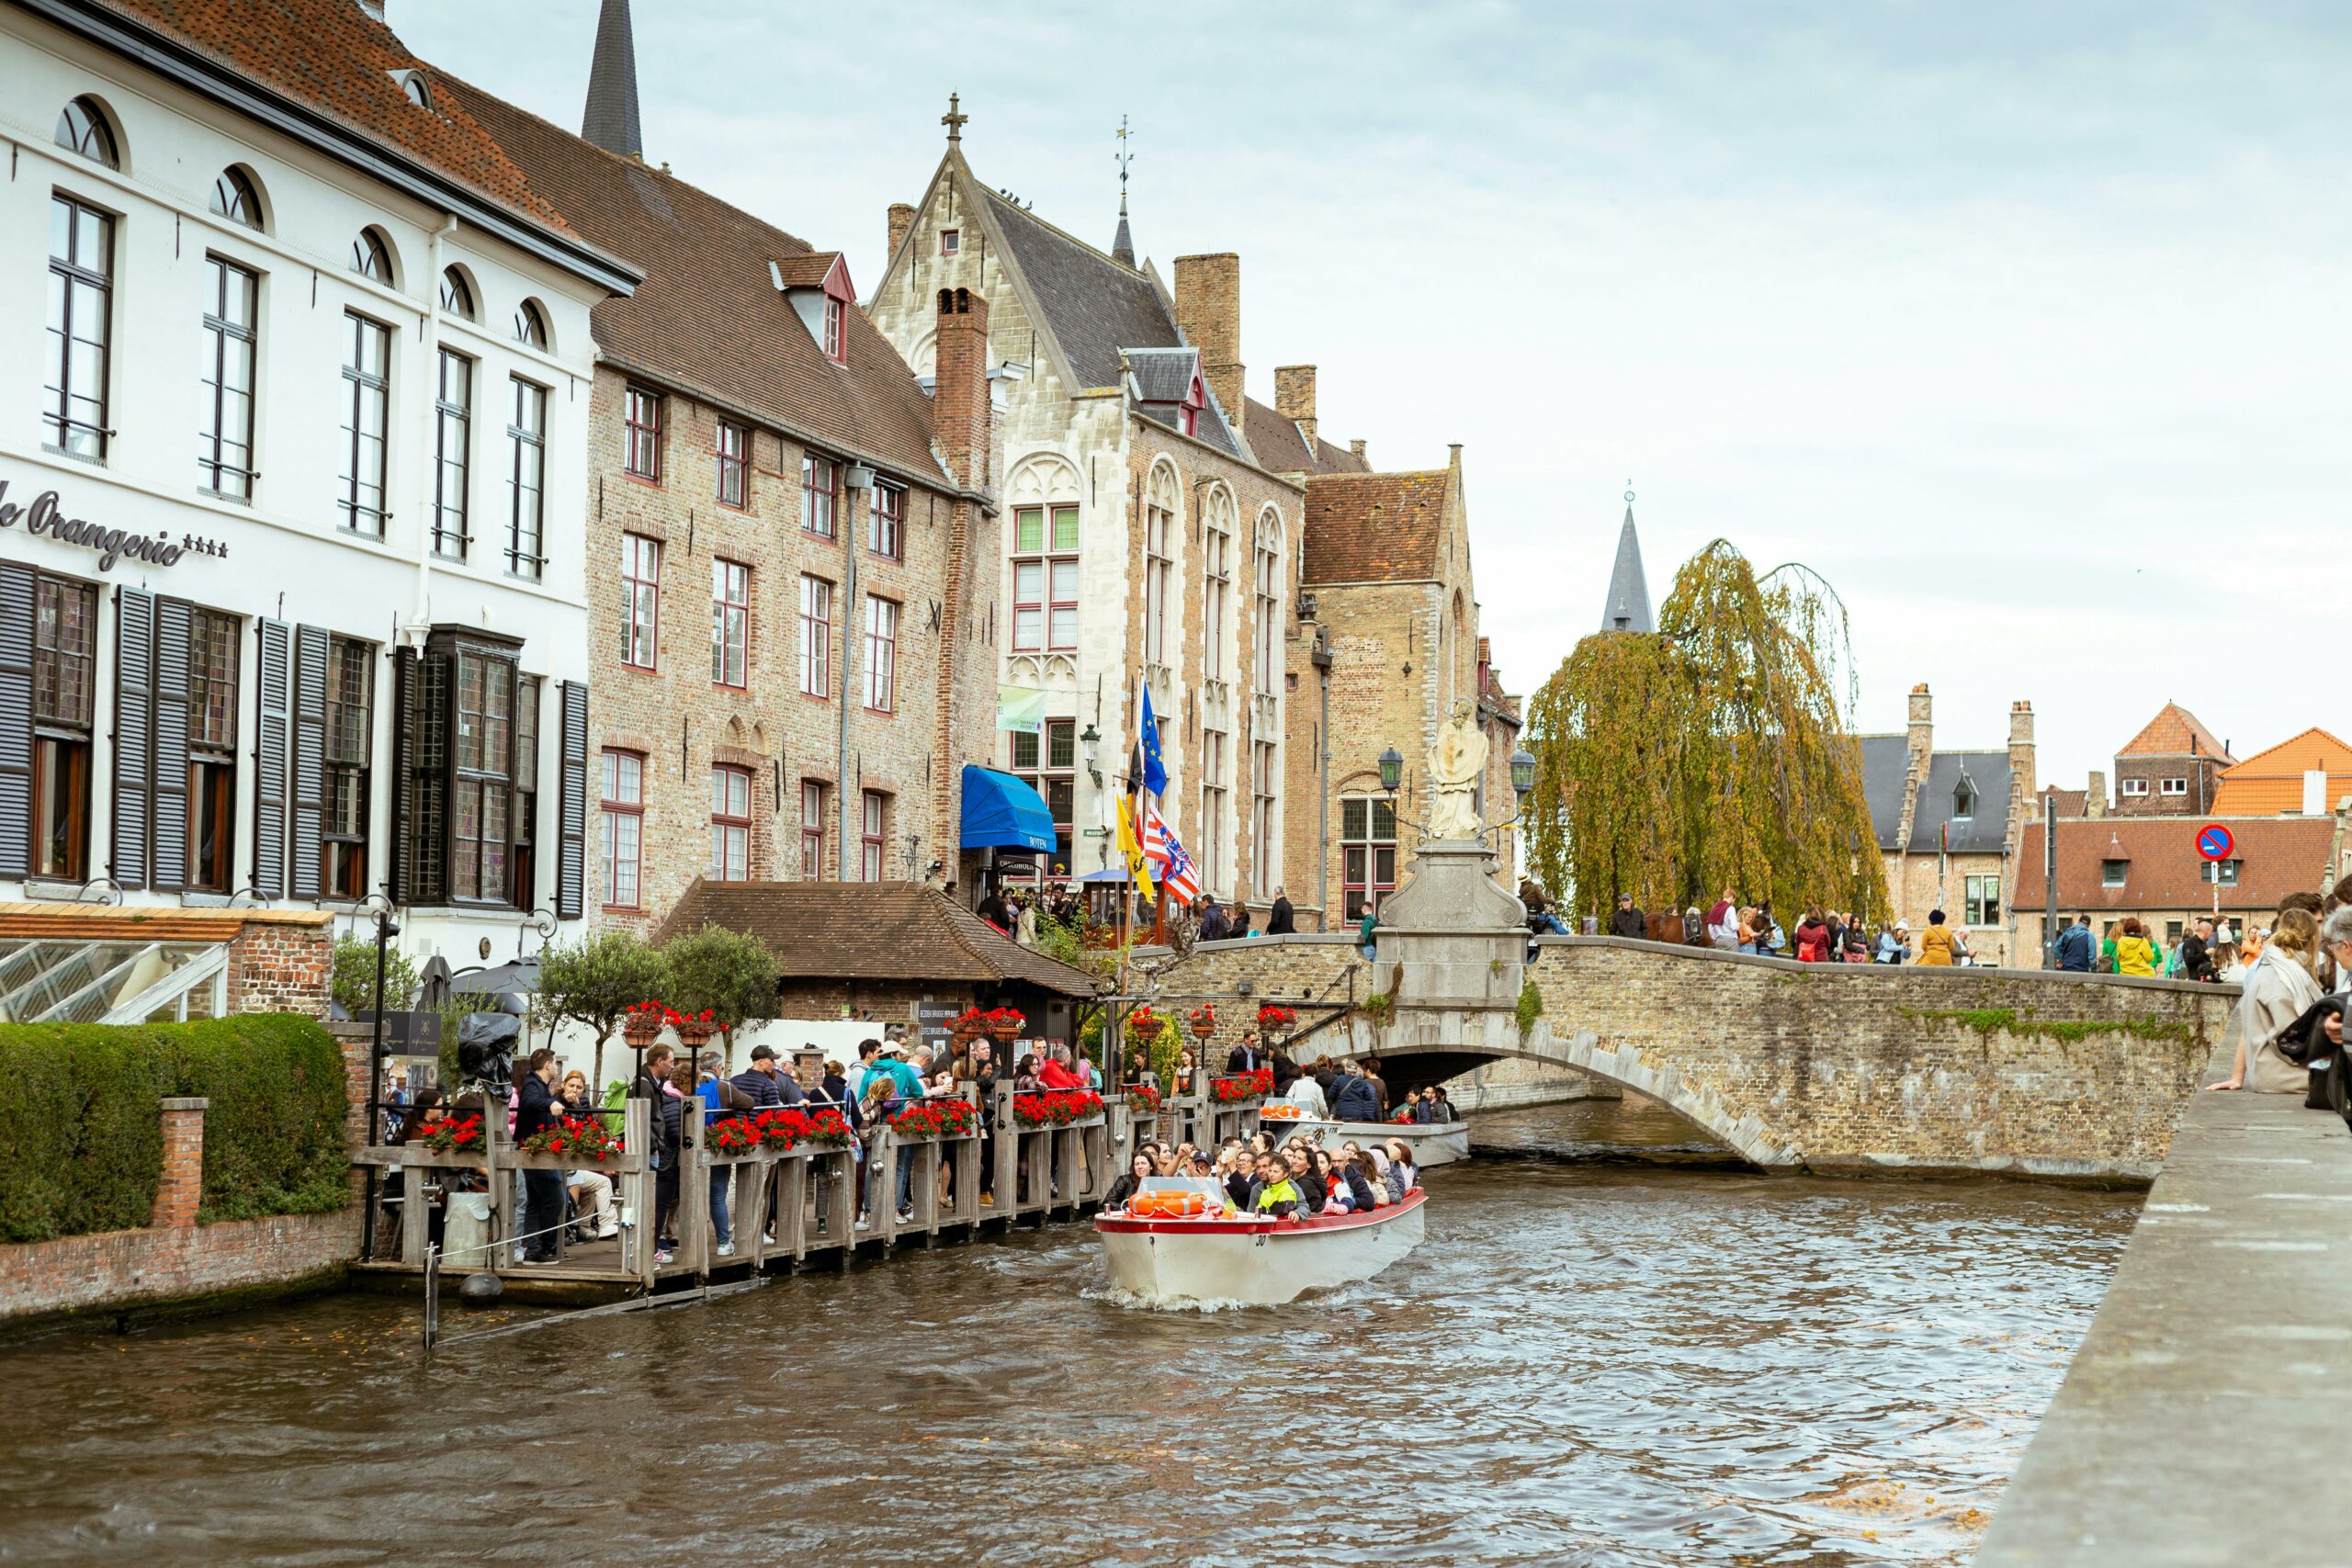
(413, 84)
(1267, 586)
(1162, 500)
(371, 257)
(530, 325)
(1216, 580)
(84, 127)
(236, 197)
(456, 294)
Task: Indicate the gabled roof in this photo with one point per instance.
(1373, 527)
(1281, 446)
(1627, 608)
(2176, 732)
(2271, 780)
(814, 269)
(333, 59)
(2276, 855)
(871, 931)
(708, 317)
(1887, 762)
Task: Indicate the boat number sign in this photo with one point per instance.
(44, 515)
(2215, 841)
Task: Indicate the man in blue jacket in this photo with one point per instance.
(2073, 948)
(906, 1084)
(542, 1189)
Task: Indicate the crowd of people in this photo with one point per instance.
(1023, 913)
(2297, 982)
(1293, 1179)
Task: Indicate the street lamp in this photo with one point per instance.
(1089, 742)
(1522, 772)
(1392, 769)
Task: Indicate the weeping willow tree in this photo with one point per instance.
(1714, 751)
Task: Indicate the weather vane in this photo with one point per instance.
(1629, 492)
(1125, 156)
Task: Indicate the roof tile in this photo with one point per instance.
(1373, 527)
(2276, 855)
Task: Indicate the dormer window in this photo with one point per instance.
(1188, 412)
(951, 242)
(1963, 800)
(835, 310)
(2113, 873)
(816, 285)
(415, 88)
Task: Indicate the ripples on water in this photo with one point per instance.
(1590, 1362)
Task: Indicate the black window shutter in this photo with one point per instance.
(17, 593)
(404, 773)
(169, 871)
(424, 775)
(310, 739)
(570, 867)
(134, 736)
(272, 696)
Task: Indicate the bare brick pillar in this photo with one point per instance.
(181, 1191)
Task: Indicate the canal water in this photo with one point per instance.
(1615, 1348)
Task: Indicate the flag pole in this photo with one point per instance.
(1159, 902)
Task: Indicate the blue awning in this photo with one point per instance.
(1003, 812)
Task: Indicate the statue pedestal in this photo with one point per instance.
(1453, 938)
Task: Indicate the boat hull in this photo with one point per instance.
(1432, 1143)
(1252, 1262)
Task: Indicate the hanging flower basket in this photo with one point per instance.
(694, 1029)
(642, 1025)
(1274, 1015)
(1203, 1020)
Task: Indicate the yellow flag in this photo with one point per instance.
(1132, 847)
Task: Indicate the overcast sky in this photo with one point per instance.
(2026, 325)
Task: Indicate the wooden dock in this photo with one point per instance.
(998, 1175)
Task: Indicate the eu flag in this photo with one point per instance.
(1154, 773)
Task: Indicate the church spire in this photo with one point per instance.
(610, 120)
(1629, 593)
(1122, 245)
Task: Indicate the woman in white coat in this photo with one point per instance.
(2280, 988)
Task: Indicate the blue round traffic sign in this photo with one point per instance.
(2214, 841)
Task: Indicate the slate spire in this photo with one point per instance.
(610, 120)
(1123, 245)
(1629, 593)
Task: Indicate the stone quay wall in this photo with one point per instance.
(173, 1264)
(1804, 1067)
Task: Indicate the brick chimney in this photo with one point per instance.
(1295, 397)
(2094, 795)
(902, 218)
(2021, 747)
(1918, 749)
(1356, 446)
(1208, 310)
(960, 411)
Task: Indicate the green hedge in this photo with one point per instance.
(80, 1140)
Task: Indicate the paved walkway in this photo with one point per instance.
(2206, 1417)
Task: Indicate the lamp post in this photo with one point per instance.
(1392, 770)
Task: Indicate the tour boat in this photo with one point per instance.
(1253, 1259)
(1432, 1143)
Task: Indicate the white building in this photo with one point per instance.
(292, 482)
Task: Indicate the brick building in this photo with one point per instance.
(788, 650)
(1143, 539)
(1949, 825)
(1387, 631)
(2172, 768)
(2113, 866)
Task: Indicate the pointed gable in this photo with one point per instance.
(1374, 527)
(2271, 780)
(2176, 732)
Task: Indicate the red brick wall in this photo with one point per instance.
(280, 967)
(119, 1269)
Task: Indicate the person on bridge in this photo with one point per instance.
(2073, 950)
(1723, 923)
(1628, 921)
(2193, 959)
(1935, 942)
(1814, 944)
(2134, 954)
(1281, 921)
(2276, 996)
(1895, 944)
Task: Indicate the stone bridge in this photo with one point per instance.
(1797, 1066)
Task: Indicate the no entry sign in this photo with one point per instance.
(2214, 841)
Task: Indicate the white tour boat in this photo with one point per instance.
(1432, 1143)
(1253, 1260)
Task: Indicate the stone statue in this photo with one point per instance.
(1456, 761)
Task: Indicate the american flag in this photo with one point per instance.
(1178, 874)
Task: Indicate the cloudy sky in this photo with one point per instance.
(2026, 325)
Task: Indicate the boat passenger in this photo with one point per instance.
(1357, 1100)
(1302, 1176)
(1260, 1142)
(1273, 1192)
(1405, 1175)
(1307, 1095)
(1444, 1105)
(1139, 1170)
(1350, 1193)
(1369, 1163)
